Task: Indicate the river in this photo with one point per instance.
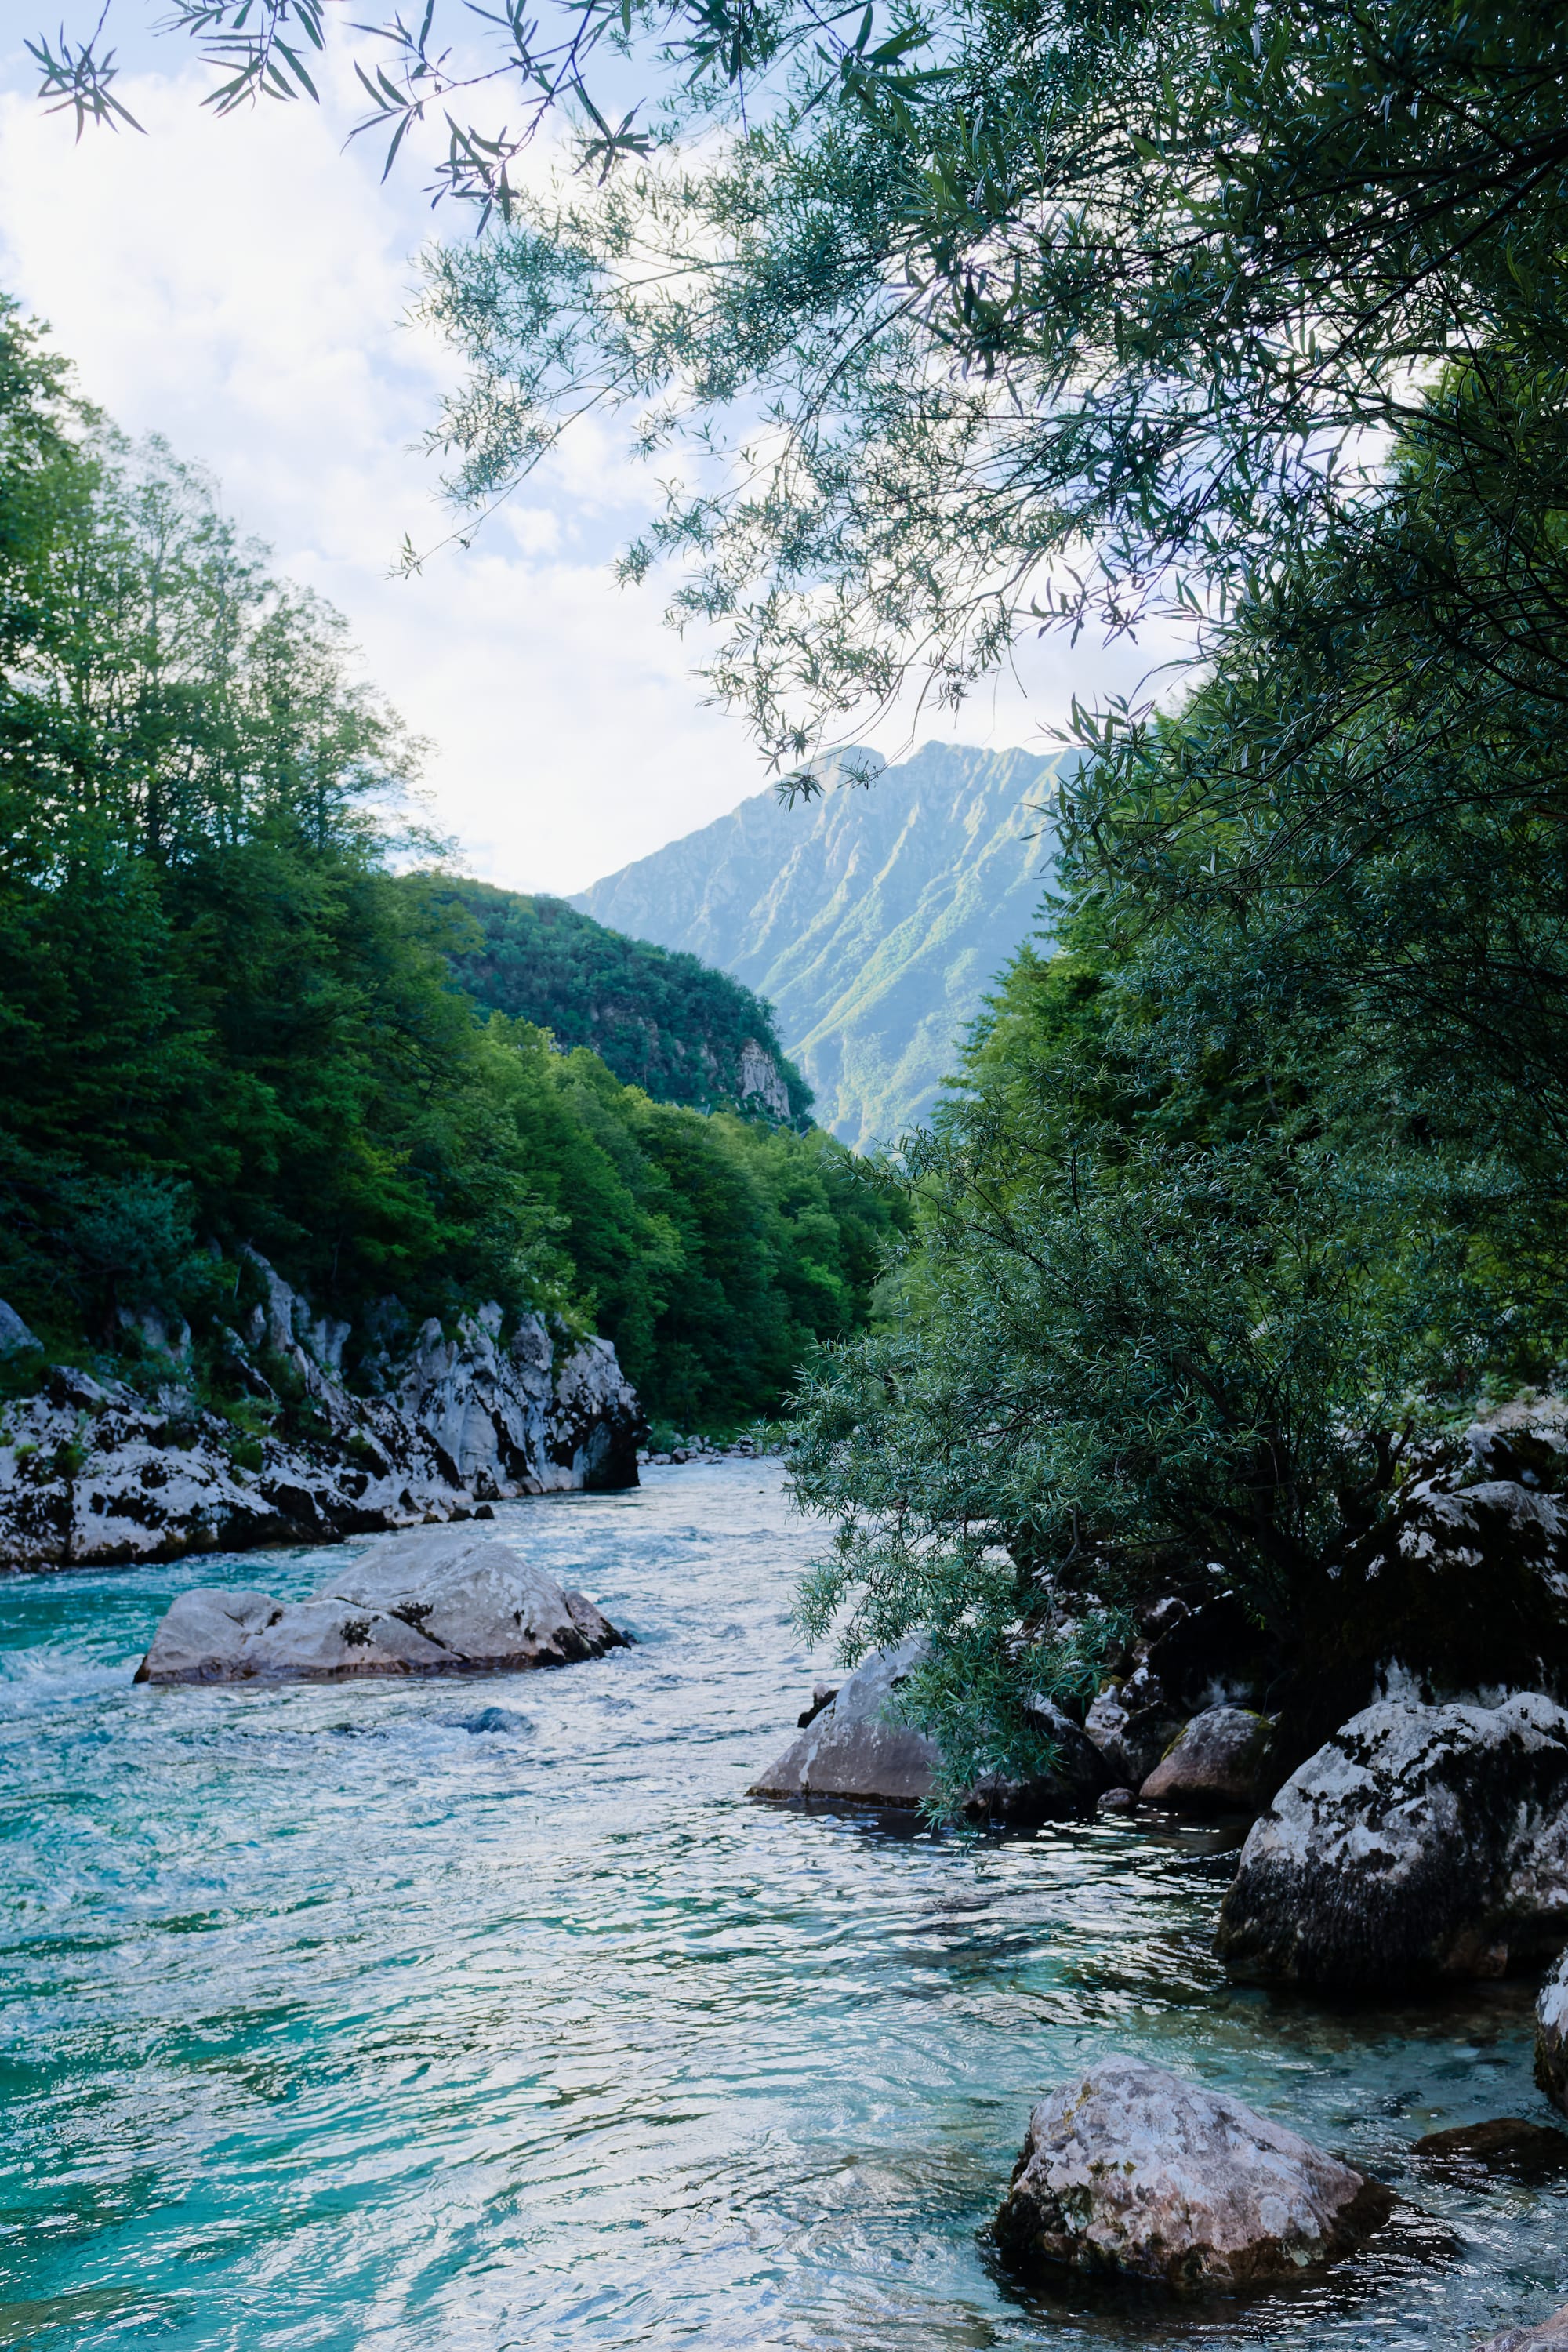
(487, 2014)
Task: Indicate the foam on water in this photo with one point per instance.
(492, 2015)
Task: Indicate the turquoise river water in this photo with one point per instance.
(484, 2014)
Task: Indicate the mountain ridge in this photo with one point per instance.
(873, 921)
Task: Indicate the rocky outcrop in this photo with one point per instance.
(1418, 1843)
(1216, 1764)
(96, 1473)
(440, 1600)
(1190, 1656)
(1551, 2036)
(853, 1749)
(1462, 1595)
(1133, 2172)
(1130, 1728)
(1546, 2336)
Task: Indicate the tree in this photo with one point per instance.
(982, 313)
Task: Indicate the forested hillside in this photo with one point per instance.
(225, 1021)
(874, 921)
(666, 1022)
(1249, 325)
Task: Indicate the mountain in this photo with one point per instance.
(661, 1021)
(873, 920)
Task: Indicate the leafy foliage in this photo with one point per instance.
(661, 1021)
(1111, 312)
(226, 1021)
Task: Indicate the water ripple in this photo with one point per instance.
(393, 2016)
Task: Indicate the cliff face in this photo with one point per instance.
(873, 920)
(94, 1473)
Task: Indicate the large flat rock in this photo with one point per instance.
(1419, 1842)
(436, 1600)
(1133, 2172)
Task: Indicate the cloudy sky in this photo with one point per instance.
(241, 286)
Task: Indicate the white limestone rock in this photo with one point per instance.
(1551, 2036)
(212, 1636)
(1130, 2171)
(1525, 1439)
(474, 1597)
(1216, 1764)
(1419, 1842)
(1465, 1596)
(15, 1336)
(96, 1473)
(1132, 1723)
(440, 1600)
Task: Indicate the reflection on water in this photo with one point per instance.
(489, 2014)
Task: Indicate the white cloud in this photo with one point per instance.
(240, 287)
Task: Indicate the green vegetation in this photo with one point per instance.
(225, 1021)
(663, 1021)
(1252, 323)
(1248, 321)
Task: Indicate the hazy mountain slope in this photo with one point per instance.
(872, 920)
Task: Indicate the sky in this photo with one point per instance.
(242, 288)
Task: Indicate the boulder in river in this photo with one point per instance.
(1130, 2170)
(1551, 2036)
(1418, 1843)
(437, 1601)
(1546, 2336)
(854, 1747)
(1215, 1764)
(854, 1750)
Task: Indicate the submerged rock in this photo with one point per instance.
(1132, 2171)
(1505, 2144)
(1546, 2336)
(438, 1601)
(1418, 1843)
(1216, 1764)
(1551, 2036)
(94, 1473)
(854, 1750)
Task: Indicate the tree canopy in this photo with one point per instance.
(982, 317)
(229, 1022)
(662, 1021)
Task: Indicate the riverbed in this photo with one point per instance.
(483, 2014)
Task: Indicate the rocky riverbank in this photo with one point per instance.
(95, 1473)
